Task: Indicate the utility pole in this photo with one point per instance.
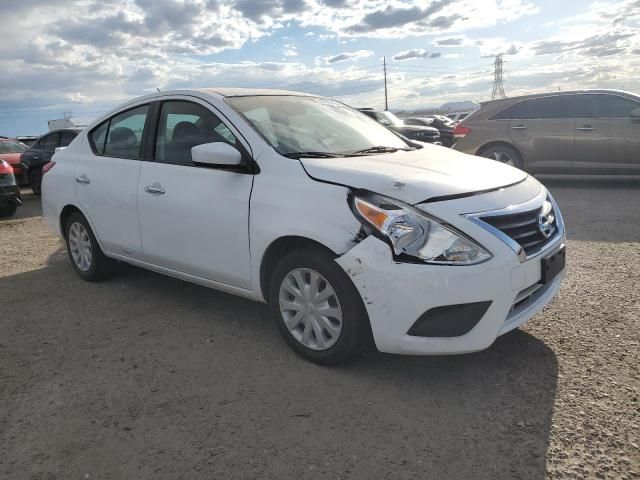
(498, 86)
(386, 98)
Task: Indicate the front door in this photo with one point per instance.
(107, 181)
(607, 138)
(194, 219)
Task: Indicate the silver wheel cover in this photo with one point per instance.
(310, 309)
(502, 157)
(80, 246)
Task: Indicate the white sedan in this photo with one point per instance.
(351, 233)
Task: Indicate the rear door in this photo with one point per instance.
(607, 138)
(543, 130)
(107, 180)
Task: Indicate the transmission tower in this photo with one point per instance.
(498, 87)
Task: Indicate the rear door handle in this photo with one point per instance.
(154, 189)
(83, 179)
(519, 127)
(585, 128)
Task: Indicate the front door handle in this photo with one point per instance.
(585, 128)
(519, 127)
(155, 189)
(83, 179)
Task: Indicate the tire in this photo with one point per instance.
(503, 154)
(354, 334)
(35, 181)
(8, 210)
(84, 252)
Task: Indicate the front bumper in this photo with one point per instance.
(10, 194)
(397, 294)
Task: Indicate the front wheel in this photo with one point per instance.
(318, 309)
(503, 154)
(84, 252)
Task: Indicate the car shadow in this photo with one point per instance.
(101, 377)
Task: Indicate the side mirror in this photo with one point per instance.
(635, 114)
(217, 153)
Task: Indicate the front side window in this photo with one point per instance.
(124, 136)
(613, 106)
(50, 142)
(12, 147)
(184, 125)
(294, 124)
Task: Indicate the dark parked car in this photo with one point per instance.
(9, 191)
(412, 132)
(41, 152)
(587, 131)
(444, 125)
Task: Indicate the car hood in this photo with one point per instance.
(10, 158)
(417, 175)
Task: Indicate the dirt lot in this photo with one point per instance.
(145, 376)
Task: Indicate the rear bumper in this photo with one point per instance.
(10, 194)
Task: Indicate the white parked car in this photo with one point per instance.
(347, 231)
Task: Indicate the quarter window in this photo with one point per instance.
(184, 125)
(99, 135)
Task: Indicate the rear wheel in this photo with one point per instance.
(318, 309)
(503, 154)
(84, 252)
(8, 210)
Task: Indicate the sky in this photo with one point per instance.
(88, 56)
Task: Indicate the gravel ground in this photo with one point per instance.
(145, 376)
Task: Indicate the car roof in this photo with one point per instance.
(549, 94)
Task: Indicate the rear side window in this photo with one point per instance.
(50, 142)
(125, 133)
(557, 106)
(121, 135)
(66, 138)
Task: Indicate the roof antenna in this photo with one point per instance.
(158, 89)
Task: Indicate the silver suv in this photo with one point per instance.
(588, 131)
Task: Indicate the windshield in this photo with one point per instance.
(12, 147)
(388, 118)
(293, 124)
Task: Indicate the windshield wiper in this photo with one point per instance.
(377, 149)
(299, 155)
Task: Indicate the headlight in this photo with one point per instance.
(413, 235)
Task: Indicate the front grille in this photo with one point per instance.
(532, 230)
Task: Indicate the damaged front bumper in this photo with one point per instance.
(493, 297)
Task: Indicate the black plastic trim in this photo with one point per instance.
(449, 320)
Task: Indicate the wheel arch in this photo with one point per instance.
(280, 247)
(496, 143)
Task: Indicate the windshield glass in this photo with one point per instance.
(293, 124)
(388, 118)
(12, 147)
